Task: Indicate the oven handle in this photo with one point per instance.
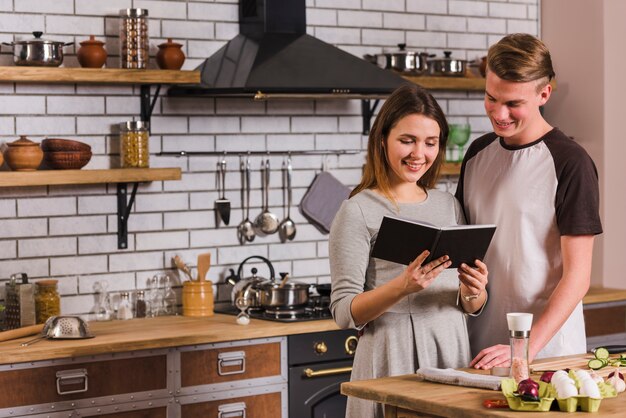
(327, 372)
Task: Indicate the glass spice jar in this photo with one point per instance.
(134, 43)
(134, 152)
(47, 300)
(140, 305)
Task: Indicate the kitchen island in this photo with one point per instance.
(407, 396)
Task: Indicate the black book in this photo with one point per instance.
(402, 240)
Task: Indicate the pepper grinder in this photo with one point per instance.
(519, 333)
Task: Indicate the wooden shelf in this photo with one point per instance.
(96, 75)
(450, 169)
(58, 177)
(448, 83)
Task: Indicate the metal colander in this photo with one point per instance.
(63, 328)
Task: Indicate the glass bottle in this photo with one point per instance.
(102, 309)
(134, 43)
(124, 309)
(141, 306)
(134, 150)
(519, 333)
(47, 300)
(169, 297)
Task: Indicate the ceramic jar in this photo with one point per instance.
(91, 53)
(23, 155)
(170, 55)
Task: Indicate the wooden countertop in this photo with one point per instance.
(407, 393)
(604, 294)
(152, 333)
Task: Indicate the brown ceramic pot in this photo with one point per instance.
(23, 155)
(170, 55)
(91, 53)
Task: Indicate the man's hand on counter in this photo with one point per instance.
(494, 356)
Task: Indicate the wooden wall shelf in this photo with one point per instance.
(450, 169)
(59, 177)
(449, 83)
(96, 75)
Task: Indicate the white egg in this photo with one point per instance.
(559, 374)
(590, 388)
(582, 374)
(566, 391)
(563, 380)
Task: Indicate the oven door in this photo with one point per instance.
(314, 389)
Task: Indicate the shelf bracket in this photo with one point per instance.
(147, 106)
(368, 111)
(123, 212)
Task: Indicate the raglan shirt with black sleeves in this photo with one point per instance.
(535, 194)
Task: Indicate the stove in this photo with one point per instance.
(318, 307)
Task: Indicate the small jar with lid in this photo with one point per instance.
(141, 306)
(47, 300)
(134, 152)
(124, 309)
(134, 45)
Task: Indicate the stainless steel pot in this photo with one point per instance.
(291, 294)
(38, 51)
(447, 66)
(401, 60)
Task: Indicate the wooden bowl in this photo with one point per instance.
(66, 160)
(58, 144)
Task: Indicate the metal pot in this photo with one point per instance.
(447, 66)
(38, 51)
(401, 60)
(247, 287)
(291, 294)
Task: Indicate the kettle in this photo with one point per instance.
(247, 287)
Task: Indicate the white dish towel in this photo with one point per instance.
(459, 378)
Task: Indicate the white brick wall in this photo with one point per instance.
(70, 232)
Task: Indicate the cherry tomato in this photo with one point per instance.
(495, 403)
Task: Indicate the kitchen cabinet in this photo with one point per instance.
(145, 79)
(239, 378)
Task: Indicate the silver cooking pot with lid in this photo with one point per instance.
(447, 66)
(402, 60)
(38, 51)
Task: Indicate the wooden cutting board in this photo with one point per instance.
(572, 362)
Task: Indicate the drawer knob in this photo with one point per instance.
(320, 348)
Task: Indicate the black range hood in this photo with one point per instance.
(274, 57)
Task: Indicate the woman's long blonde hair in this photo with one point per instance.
(406, 100)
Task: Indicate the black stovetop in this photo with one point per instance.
(317, 308)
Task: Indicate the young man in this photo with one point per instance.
(541, 190)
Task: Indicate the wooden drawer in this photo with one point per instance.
(38, 384)
(227, 364)
(255, 406)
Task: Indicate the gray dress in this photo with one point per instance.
(425, 329)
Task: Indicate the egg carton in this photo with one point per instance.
(584, 403)
(516, 403)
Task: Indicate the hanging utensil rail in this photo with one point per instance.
(312, 152)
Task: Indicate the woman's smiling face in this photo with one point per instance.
(411, 148)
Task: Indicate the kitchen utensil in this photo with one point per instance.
(63, 328)
(266, 222)
(222, 205)
(180, 264)
(23, 154)
(204, 262)
(612, 349)
(447, 66)
(401, 60)
(20, 332)
(38, 51)
(285, 277)
(246, 287)
(19, 301)
(272, 294)
(245, 230)
(287, 227)
(91, 53)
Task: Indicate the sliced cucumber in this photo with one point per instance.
(601, 353)
(596, 364)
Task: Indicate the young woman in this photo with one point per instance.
(413, 316)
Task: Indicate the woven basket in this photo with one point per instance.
(58, 144)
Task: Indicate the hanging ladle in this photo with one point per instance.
(245, 230)
(287, 228)
(266, 222)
